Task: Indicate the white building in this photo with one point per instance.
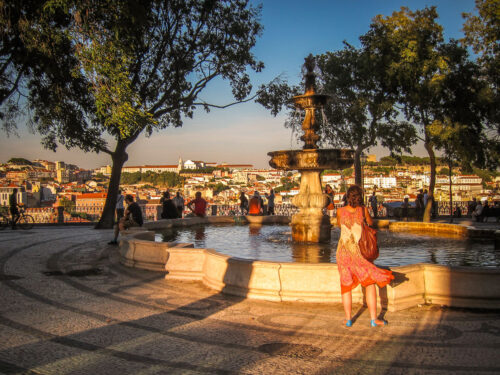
(6, 191)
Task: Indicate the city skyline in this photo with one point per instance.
(245, 133)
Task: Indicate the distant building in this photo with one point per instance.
(6, 191)
(151, 168)
(91, 203)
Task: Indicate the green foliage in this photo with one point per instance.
(199, 170)
(445, 171)
(485, 174)
(218, 187)
(405, 160)
(287, 186)
(69, 205)
(260, 178)
(166, 179)
(384, 170)
(347, 172)
(19, 161)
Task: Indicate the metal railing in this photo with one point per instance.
(53, 215)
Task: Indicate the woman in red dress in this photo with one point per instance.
(353, 268)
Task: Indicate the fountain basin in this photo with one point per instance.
(283, 281)
(311, 159)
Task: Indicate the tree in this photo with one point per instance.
(35, 49)
(69, 205)
(360, 113)
(19, 161)
(145, 64)
(435, 81)
(482, 31)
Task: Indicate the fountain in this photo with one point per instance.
(310, 224)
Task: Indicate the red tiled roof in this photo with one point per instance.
(92, 195)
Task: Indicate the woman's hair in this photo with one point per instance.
(355, 196)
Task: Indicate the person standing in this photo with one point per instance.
(132, 218)
(179, 203)
(13, 209)
(404, 209)
(270, 202)
(119, 208)
(353, 268)
(198, 206)
(419, 204)
(374, 204)
(330, 205)
(471, 206)
(243, 203)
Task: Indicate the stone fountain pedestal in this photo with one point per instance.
(310, 224)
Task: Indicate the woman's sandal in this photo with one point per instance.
(348, 323)
(378, 323)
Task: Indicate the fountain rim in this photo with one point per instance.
(305, 282)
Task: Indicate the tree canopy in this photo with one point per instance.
(437, 84)
(139, 66)
(361, 112)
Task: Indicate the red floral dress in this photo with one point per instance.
(353, 268)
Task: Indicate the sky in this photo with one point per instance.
(245, 133)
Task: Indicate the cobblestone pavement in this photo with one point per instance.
(69, 307)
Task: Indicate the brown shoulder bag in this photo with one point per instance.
(368, 242)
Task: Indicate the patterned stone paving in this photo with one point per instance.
(69, 307)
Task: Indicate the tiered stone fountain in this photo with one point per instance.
(310, 224)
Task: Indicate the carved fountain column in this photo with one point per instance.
(310, 224)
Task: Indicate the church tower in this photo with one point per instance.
(180, 165)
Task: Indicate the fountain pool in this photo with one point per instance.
(274, 243)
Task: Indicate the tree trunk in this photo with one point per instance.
(450, 164)
(432, 181)
(119, 158)
(358, 178)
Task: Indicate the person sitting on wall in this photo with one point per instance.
(131, 218)
(255, 204)
(169, 210)
(198, 206)
(179, 203)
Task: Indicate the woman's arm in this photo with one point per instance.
(338, 217)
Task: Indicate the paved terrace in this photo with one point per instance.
(69, 307)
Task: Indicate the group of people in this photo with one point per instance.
(172, 208)
(480, 210)
(255, 205)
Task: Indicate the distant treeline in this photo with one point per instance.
(406, 160)
(169, 179)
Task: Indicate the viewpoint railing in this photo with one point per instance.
(152, 212)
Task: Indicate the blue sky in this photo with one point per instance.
(246, 132)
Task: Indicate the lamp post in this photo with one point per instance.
(363, 159)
